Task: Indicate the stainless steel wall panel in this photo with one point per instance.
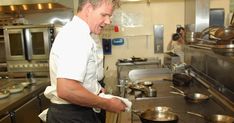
(158, 38)
(217, 69)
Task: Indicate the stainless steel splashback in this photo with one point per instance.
(196, 15)
(216, 69)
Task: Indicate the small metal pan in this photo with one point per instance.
(216, 118)
(191, 97)
(15, 88)
(160, 114)
(4, 93)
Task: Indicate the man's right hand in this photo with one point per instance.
(116, 105)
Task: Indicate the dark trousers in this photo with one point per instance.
(69, 113)
(102, 116)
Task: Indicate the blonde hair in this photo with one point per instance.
(96, 3)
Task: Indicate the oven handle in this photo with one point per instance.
(27, 44)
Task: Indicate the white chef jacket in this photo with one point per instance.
(73, 56)
(100, 57)
(177, 49)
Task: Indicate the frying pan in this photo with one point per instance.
(215, 118)
(181, 79)
(191, 97)
(4, 93)
(15, 88)
(160, 114)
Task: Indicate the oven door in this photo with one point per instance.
(14, 44)
(39, 43)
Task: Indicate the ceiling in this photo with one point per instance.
(31, 6)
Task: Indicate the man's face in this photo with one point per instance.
(100, 17)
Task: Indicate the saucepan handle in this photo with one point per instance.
(137, 112)
(196, 114)
(182, 92)
(173, 92)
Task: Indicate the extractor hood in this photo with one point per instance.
(30, 6)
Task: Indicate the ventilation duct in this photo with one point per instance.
(197, 15)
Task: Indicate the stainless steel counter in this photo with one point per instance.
(178, 103)
(15, 100)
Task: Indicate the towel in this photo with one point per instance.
(124, 100)
(43, 115)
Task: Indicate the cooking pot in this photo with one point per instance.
(191, 97)
(160, 114)
(150, 92)
(215, 118)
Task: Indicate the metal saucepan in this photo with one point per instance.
(150, 92)
(191, 97)
(160, 114)
(216, 118)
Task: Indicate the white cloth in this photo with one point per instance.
(43, 115)
(73, 56)
(124, 100)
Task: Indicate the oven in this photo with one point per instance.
(28, 47)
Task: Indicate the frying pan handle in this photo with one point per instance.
(182, 92)
(137, 112)
(196, 114)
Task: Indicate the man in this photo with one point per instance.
(176, 45)
(73, 67)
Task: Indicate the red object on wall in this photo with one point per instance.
(116, 28)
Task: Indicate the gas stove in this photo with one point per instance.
(178, 103)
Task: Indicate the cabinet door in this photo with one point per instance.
(28, 113)
(6, 119)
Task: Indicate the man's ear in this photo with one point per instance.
(88, 8)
